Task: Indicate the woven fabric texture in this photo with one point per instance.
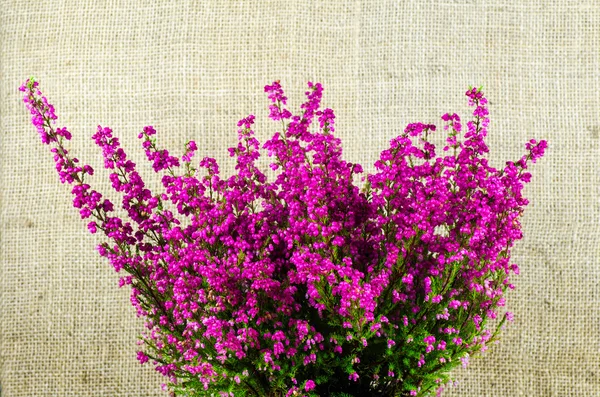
(192, 69)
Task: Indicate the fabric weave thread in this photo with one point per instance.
(192, 69)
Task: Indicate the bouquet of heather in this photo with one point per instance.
(308, 285)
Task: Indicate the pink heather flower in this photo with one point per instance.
(142, 357)
(63, 132)
(339, 241)
(427, 283)
(309, 385)
(374, 327)
(92, 227)
(455, 304)
(242, 266)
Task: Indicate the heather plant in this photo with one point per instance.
(307, 285)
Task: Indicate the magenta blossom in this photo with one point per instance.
(307, 284)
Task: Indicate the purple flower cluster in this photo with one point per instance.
(308, 285)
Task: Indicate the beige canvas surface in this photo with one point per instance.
(193, 69)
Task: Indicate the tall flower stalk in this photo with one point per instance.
(307, 285)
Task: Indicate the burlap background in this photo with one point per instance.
(192, 69)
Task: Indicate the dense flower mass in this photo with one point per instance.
(307, 285)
